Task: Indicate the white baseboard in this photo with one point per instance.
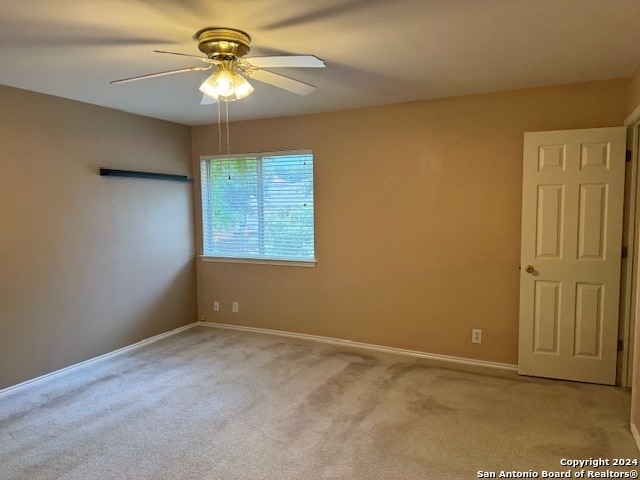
(281, 333)
(368, 346)
(636, 435)
(71, 368)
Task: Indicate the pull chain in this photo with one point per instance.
(228, 144)
(226, 126)
(219, 130)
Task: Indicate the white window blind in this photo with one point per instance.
(258, 206)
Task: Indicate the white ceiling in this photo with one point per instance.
(376, 51)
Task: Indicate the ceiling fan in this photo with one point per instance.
(225, 49)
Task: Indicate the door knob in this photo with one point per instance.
(529, 269)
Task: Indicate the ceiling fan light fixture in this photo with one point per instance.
(208, 87)
(225, 49)
(226, 85)
(242, 87)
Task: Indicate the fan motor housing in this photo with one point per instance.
(223, 42)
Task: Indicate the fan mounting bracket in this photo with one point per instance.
(222, 43)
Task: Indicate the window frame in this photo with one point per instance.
(253, 260)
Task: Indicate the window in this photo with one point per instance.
(258, 207)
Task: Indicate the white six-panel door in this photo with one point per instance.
(573, 189)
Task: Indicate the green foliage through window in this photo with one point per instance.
(258, 207)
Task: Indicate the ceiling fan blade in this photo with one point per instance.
(280, 81)
(206, 100)
(285, 61)
(199, 57)
(159, 74)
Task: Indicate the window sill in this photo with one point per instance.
(259, 261)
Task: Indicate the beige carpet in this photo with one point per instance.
(210, 403)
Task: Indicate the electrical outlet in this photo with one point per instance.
(476, 335)
(216, 306)
(235, 308)
(203, 318)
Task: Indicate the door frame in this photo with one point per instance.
(629, 271)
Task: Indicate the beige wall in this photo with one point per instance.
(633, 91)
(417, 219)
(88, 264)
